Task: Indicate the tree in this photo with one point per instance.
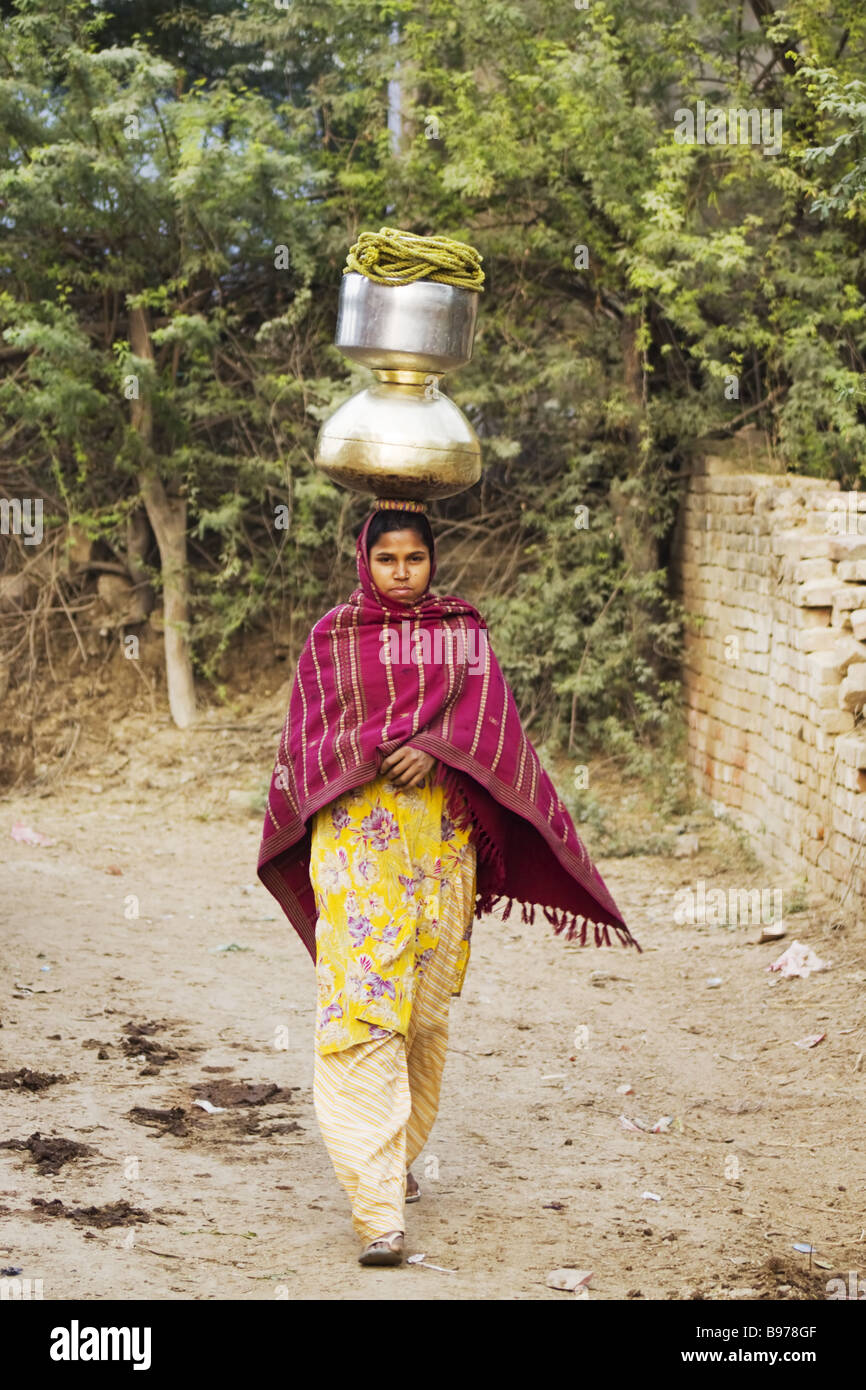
(140, 219)
(642, 292)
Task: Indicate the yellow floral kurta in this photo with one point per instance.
(382, 862)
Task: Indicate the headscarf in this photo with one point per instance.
(376, 674)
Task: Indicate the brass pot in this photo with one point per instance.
(401, 437)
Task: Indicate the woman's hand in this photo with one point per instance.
(407, 766)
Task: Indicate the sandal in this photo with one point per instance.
(412, 1196)
(385, 1250)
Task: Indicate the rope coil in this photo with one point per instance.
(393, 257)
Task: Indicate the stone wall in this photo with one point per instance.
(771, 569)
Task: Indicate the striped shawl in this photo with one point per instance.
(374, 675)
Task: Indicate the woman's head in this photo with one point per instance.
(400, 555)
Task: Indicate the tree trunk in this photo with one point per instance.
(137, 546)
(167, 516)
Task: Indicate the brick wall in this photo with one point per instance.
(771, 569)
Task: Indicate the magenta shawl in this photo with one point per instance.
(374, 675)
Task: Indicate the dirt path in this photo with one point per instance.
(529, 1167)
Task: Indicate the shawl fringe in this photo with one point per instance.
(561, 920)
(486, 848)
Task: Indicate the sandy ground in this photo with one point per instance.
(529, 1167)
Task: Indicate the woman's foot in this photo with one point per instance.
(385, 1250)
(413, 1191)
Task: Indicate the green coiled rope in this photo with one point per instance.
(392, 257)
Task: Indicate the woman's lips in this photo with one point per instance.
(401, 589)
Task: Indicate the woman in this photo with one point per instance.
(405, 801)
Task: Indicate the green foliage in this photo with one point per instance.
(211, 164)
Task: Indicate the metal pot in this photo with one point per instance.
(402, 437)
(423, 327)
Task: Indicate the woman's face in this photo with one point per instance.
(400, 566)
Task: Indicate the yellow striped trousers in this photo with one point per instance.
(377, 1100)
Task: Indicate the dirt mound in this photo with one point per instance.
(112, 1214)
(228, 1093)
(783, 1278)
(26, 1080)
(172, 1121)
(51, 1153)
(138, 1042)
